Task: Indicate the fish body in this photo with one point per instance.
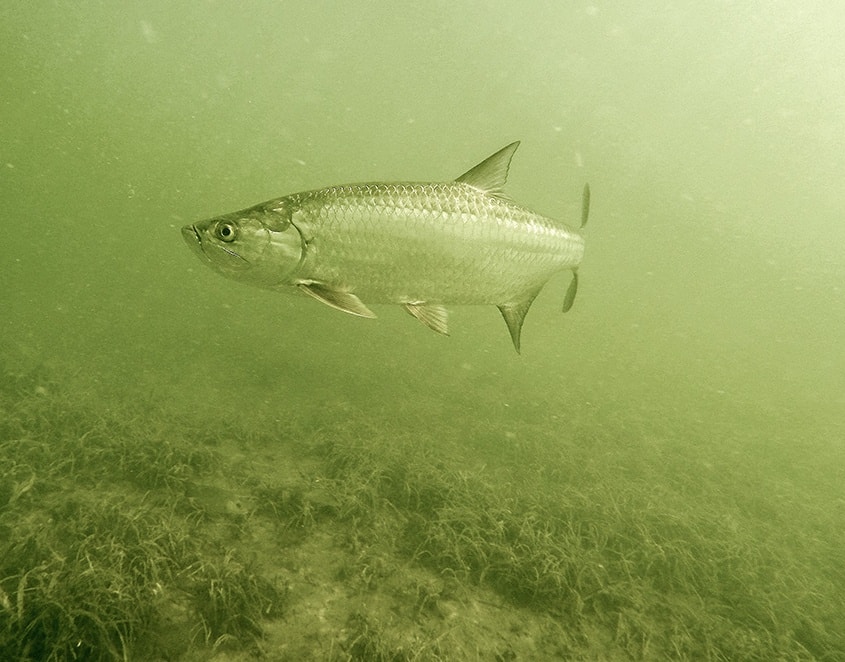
(423, 245)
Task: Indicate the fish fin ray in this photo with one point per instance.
(514, 314)
(491, 174)
(433, 315)
(345, 301)
(571, 291)
(585, 205)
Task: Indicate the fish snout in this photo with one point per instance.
(193, 238)
(191, 235)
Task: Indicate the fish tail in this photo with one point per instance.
(585, 205)
(572, 290)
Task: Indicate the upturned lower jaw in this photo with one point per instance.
(193, 239)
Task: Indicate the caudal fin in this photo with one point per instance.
(585, 205)
(572, 290)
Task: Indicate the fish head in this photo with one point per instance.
(259, 245)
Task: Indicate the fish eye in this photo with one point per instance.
(226, 232)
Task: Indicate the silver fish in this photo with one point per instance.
(422, 245)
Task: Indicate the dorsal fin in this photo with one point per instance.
(491, 174)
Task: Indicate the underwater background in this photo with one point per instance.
(193, 469)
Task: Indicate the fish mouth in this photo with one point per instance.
(191, 235)
(193, 238)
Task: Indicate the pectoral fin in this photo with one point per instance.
(514, 314)
(433, 315)
(345, 301)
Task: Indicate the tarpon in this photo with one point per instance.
(422, 245)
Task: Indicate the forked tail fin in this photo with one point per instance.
(572, 290)
(585, 205)
(514, 312)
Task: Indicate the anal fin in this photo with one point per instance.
(433, 315)
(345, 301)
(514, 314)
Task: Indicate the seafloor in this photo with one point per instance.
(132, 527)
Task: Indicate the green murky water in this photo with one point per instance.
(193, 468)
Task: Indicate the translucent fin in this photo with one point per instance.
(585, 205)
(491, 174)
(571, 291)
(433, 315)
(345, 301)
(514, 314)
